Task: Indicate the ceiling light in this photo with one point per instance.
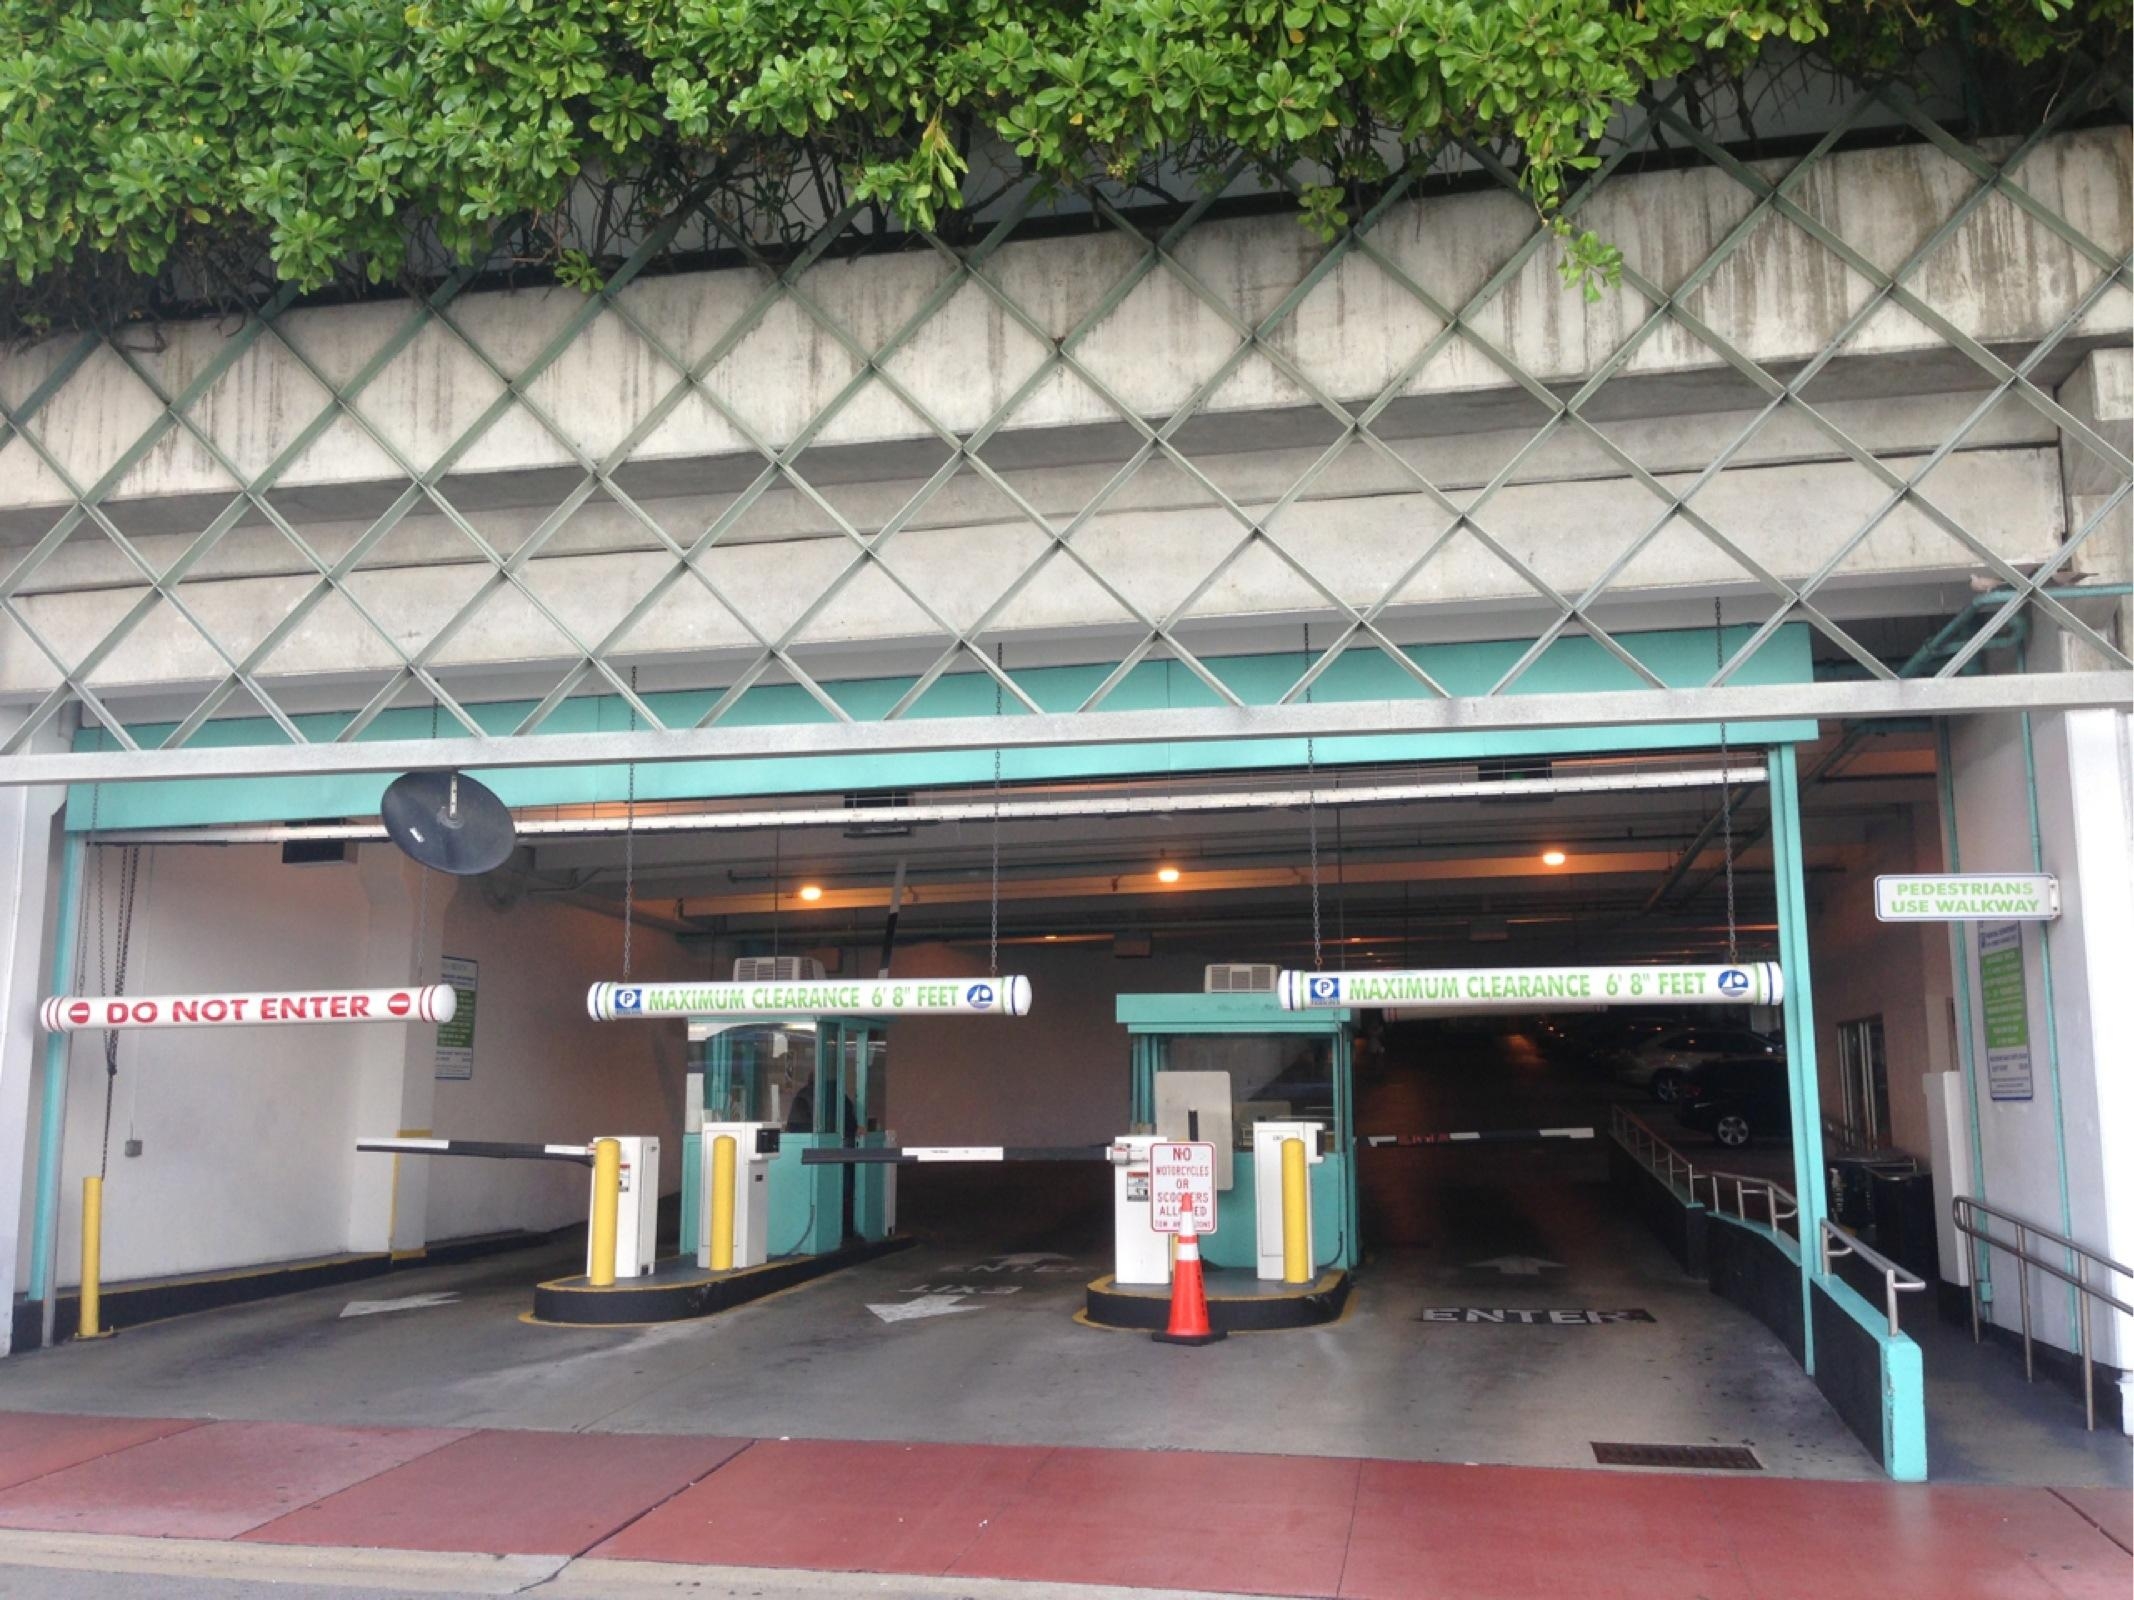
(1167, 873)
(1052, 938)
(1553, 858)
(811, 891)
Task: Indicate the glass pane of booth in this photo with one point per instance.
(1273, 1077)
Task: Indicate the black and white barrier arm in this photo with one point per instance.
(1379, 1141)
(489, 1149)
(910, 1153)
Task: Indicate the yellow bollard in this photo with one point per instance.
(607, 1202)
(722, 1203)
(1296, 1215)
(92, 1291)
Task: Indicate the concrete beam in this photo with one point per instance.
(1742, 707)
(2002, 277)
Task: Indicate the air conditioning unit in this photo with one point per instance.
(1240, 977)
(777, 969)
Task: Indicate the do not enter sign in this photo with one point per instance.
(1182, 1188)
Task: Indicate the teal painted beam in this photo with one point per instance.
(1803, 1083)
(52, 1115)
(1681, 659)
(1222, 1013)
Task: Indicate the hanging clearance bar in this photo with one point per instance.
(904, 997)
(437, 1002)
(1751, 983)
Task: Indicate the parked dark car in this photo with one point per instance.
(1600, 1039)
(1737, 1101)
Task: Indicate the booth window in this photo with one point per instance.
(1273, 1077)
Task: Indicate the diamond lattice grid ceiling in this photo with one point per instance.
(855, 474)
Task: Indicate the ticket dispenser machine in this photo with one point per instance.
(755, 1144)
(1267, 1141)
(1139, 1253)
(637, 1212)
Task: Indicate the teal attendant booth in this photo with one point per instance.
(823, 1081)
(1283, 1066)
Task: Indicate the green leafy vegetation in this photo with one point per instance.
(238, 142)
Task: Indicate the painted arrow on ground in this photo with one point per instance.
(927, 1305)
(413, 1302)
(1517, 1266)
(1028, 1258)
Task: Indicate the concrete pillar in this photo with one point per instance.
(392, 1080)
(2101, 393)
(29, 857)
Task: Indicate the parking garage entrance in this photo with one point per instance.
(1487, 1176)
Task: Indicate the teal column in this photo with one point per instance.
(1788, 871)
(2052, 1022)
(1344, 1135)
(52, 1116)
(1981, 1266)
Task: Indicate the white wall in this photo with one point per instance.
(248, 1133)
(2084, 810)
(1864, 968)
(544, 1070)
(244, 1131)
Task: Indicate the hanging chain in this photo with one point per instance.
(422, 926)
(1311, 812)
(422, 892)
(993, 913)
(111, 961)
(1726, 800)
(629, 845)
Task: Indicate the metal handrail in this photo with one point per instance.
(1744, 1185)
(1647, 1148)
(1964, 1211)
(1664, 1161)
(1896, 1280)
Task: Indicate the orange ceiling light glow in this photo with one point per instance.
(1167, 873)
(1553, 858)
(811, 891)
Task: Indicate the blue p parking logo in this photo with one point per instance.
(1323, 991)
(629, 1000)
(1734, 983)
(979, 997)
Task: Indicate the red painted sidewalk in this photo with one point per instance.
(1248, 1524)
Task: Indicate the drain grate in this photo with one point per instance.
(1710, 1457)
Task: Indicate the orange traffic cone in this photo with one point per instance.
(1189, 1299)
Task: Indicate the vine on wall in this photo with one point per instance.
(212, 148)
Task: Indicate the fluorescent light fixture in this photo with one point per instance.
(811, 891)
(1549, 858)
(1167, 873)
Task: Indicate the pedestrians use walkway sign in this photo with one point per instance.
(1182, 1188)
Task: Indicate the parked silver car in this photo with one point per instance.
(1658, 1064)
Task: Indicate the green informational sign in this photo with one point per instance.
(455, 1039)
(2005, 1001)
